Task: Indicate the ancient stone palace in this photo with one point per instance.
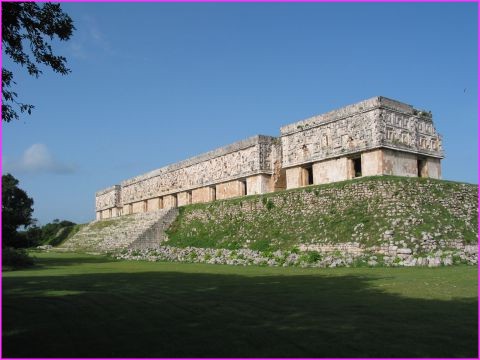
(378, 136)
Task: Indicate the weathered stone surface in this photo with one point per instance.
(108, 198)
(378, 136)
(204, 194)
(373, 123)
(245, 158)
(138, 231)
(230, 189)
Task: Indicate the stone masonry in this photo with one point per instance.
(137, 231)
(378, 136)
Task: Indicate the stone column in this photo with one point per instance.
(330, 171)
(169, 201)
(230, 189)
(259, 184)
(184, 198)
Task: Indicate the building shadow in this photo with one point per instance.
(178, 314)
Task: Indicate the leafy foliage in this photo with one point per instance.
(15, 258)
(53, 233)
(17, 209)
(30, 24)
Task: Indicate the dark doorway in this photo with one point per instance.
(213, 193)
(357, 167)
(421, 167)
(244, 185)
(307, 175)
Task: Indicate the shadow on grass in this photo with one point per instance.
(58, 261)
(173, 314)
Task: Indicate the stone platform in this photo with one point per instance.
(136, 231)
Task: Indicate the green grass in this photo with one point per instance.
(73, 305)
(332, 213)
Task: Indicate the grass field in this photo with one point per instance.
(73, 305)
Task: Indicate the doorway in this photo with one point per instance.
(307, 175)
(357, 167)
(244, 186)
(422, 168)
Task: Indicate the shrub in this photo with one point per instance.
(268, 203)
(261, 245)
(313, 256)
(310, 257)
(16, 258)
(295, 250)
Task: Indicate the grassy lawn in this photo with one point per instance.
(73, 305)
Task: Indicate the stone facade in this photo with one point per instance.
(378, 136)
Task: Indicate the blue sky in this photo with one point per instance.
(155, 83)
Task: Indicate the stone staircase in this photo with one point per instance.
(137, 231)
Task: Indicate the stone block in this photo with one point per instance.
(184, 198)
(331, 170)
(372, 163)
(169, 201)
(259, 184)
(294, 177)
(434, 169)
(154, 204)
(399, 163)
(106, 214)
(203, 195)
(230, 189)
(138, 207)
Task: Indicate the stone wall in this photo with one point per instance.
(143, 230)
(331, 170)
(184, 198)
(204, 194)
(108, 198)
(399, 163)
(389, 216)
(230, 189)
(374, 123)
(242, 159)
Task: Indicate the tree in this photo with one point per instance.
(31, 24)
(17, 209)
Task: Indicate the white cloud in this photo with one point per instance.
(78, 50)
(37, 159)
(89, 41)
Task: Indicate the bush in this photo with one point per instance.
(16, 258)
(310, 257)
(261, 245)
(63, 233)
(50, 234)
(313, 256)
(270, 205)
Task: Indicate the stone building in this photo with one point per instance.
(378, 136)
